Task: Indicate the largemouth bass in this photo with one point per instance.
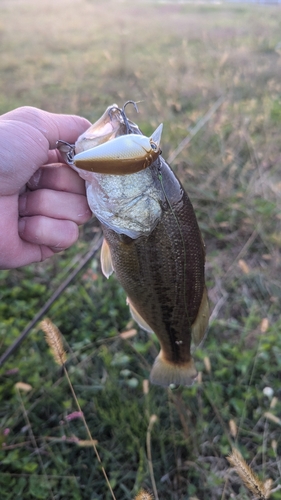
(151, 237)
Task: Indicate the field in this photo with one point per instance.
(211, 74)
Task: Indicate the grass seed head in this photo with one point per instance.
(233, 428)
(54, 340)
(144, 495)
(249, 478)
(22, 386)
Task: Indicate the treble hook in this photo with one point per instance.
(123, 114)
(131, 102)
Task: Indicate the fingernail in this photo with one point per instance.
(35, 179)
(21, 225)
(22, 204)
(57, 249)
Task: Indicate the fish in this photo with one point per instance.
(152, 241)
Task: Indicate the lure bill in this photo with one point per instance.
(151, 240)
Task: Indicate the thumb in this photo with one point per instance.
(27, 135)
(51, 125)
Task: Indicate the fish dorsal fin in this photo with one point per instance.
(105, 258)
(156, 136)
(200, 324)
(138, 318)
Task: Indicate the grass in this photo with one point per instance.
(178, 60)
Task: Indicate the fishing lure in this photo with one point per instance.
(126, 154)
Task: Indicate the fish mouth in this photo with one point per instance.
(111, 124)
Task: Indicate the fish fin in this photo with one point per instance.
(165, 373)
(105, 258)
(138, 318)
(200, 324)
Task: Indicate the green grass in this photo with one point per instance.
(80, 57)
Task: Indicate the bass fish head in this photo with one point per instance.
(113, 145)
(113, 123)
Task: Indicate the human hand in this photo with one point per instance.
(42, 200)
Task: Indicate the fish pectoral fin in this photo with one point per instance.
(105, 258)
(200, 324)
(138, 318)
(166, 373)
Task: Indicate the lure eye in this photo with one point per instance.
(153, 146)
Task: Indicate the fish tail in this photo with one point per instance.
(165, 373)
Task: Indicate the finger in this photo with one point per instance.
(16, 251)
(55, 204)
(53, 156)
(19, 161)
(52, 126)
(58, 177)
(26, 137)
(54, 233)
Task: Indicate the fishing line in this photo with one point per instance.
(160, 177)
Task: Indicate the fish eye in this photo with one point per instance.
(153, 146)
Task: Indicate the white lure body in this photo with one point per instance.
(125, 154)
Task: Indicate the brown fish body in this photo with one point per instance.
(152, 242)
(163, 276)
